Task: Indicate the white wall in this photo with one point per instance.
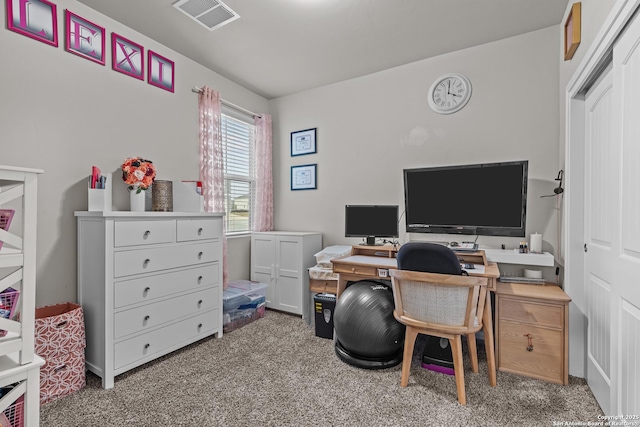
(372, 127)
(63, 114)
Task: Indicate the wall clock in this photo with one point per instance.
(449, 93)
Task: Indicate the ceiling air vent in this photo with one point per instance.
(211, 14)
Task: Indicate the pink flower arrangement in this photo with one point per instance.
(138, 173)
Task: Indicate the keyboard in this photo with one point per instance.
(464, 247)
(520, 279)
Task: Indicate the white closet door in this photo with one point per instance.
(625, 332)
(600, 202)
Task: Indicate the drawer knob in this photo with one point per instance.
(199, 326)
(199, 303)
(146, 234)
(529, 342)
(60, 367)
(353, 269)
(146, 291)
(146, 263)
(200, 255)
(200, 230)
(146, 318)
(146, 346)
(199, 279)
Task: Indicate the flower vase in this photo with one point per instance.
(136, 200)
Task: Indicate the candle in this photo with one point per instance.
(536, 243)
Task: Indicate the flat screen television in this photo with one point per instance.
(487, 199)
(371, 221)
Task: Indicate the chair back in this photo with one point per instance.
(439, 302)
(428, 258)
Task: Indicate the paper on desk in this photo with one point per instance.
(477, 269)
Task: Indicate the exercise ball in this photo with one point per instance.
(367, 334)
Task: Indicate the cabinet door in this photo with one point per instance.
(289, 273)
(263, 261)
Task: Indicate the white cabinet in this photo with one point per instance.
(18, 363)
(281, 259)
(149, 283)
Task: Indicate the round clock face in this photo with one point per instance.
(449, 93)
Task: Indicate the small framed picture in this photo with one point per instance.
(161, 71)
(37, 19)
(84, 38)
(127, 56)
(303, 142)
(304, 177)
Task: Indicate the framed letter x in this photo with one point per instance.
(127, 56)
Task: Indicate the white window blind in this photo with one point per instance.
(238, 138)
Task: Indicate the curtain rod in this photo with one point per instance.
(196, 89)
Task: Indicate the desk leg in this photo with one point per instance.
(488, 340)
(342, 285)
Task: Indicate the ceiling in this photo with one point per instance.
(280, 47)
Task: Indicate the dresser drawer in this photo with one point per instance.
(152, 315)
(145, 346)
(198, 229)
(149, 288)
(544, 361)
(131, 233)
(541, 314)
(149, 260)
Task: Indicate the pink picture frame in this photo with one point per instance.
(127, 57)
(161, 71)
(36, 19)
(84, 38)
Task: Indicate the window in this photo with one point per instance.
(238, 140)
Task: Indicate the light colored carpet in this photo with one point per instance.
(276, 372)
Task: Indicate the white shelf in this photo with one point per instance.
(512, 256)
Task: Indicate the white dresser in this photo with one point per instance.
(149, 283)
(281, 259)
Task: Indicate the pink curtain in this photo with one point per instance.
(263, 209)
(212, 161)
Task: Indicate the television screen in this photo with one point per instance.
(484, 199)
(371, 221)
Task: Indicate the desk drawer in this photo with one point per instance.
(151, 315)
(131, 233)
(198, 229)
(149, 288)
(320, 286)
(146, 345)
(361, 270)
(545, 361)
(154, 259)
(531, 312)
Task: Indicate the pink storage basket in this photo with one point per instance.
(8, 302)
(14, 415)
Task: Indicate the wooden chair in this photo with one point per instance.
(442, 305)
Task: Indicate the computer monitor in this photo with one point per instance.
(371, 221)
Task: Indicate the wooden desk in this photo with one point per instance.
(361, 267)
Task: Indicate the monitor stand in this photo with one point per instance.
(371, 241)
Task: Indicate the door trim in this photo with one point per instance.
(591, 66)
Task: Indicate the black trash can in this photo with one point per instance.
(324, 306)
